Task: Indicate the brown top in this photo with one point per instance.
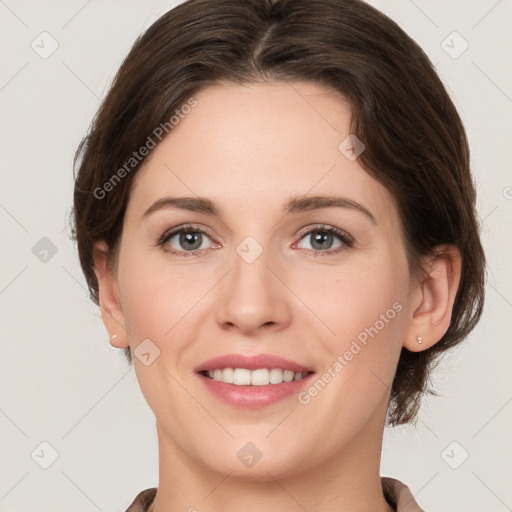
(396, 493)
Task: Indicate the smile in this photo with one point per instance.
(258, 377)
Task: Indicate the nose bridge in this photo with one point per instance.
(250, 269)
(252, 296)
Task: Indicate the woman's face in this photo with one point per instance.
(272, 273)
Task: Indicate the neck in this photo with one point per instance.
(347, 481)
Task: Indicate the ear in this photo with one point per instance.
(111, 311)
(433, 299)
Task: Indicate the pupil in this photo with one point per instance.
(322, 237)
(190, 238)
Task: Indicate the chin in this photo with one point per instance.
(260, 459)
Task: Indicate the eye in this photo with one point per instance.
(326, 239)
(190, 241)
(185, 241)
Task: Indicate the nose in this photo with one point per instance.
(253, 298)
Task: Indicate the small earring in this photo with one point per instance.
(419, 339)
(114, 336)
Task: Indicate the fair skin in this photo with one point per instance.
(250, 149)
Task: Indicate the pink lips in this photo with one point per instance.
(252, 397)
(252, 363)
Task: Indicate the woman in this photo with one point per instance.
(274, 211)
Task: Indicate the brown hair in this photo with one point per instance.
(415, 142)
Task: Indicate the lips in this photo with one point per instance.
(253, 381)
(252, 363)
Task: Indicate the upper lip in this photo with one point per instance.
(252, 363)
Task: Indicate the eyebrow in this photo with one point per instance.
(296, 204)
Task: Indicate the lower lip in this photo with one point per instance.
(253, 397)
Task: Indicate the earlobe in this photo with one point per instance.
(433, 300)
(110, 305)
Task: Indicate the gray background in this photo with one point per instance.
(63, 384)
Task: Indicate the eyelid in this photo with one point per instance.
(346, 239)
(178, 229)
(326, 227)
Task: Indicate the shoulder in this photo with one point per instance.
(397, 492)
(400, 495)
(142, 501)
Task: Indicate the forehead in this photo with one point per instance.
(248, 146)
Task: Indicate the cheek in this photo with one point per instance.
(158, 299)
(157, 305)
(361, 302)
(366, 310)
(147, 309)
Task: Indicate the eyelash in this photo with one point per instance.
(344, 237)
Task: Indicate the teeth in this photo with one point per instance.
(260, 377)
(288, 376)
(241, 377)
(276, 376)
(228, 375)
